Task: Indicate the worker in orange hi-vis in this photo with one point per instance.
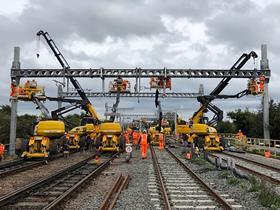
(239, 135)
(13, 90)
(144, 144)
(76, 138)
(262, 81)
(161, 141)
(2, 151)
(135, 137)
(126, 137)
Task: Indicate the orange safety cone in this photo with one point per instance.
(189, 156)
(267, 154)
(96, 161)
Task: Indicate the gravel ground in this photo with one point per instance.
(92, 195)
(268, 161)
(16, 181)
(134, 197)
(219, 180)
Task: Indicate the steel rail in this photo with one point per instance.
(253, 161)
(113, 194)
(259, 174)
(21, 168)
(27, 189)
(97, 171)
(11, 163)
(163, 191)
(215, 195)
(24, 165)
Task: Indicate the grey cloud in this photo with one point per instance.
(234, 24)
(246, 29)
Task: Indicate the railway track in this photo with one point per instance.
(112, 196)
(18, 166)
(21, 165)
(268, 172)
(180, 188)
(51, 191)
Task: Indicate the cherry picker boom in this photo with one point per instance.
(108, 133)
(199, 127)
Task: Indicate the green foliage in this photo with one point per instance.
(24, 123)
(233, 181)
(251, 123)
(73, 119)
(274, 119)
(255, 184)
(5, 112)
(269, 198)
(224, 174)
(226, 127)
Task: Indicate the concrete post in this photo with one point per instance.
(201, 89)
(175, 124)
(59, 95)
(265, 66)
(14, 102)
(103, 86)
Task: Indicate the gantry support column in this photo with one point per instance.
(14, 102)
(59, 95)
(265, 66)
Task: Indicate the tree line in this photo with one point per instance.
(251, 123)
(25, 123)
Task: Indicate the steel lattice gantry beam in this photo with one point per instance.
(133, 94)
(139, 73)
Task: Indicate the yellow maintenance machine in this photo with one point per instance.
(201, 131)
(155, 131)
(47, 133)
(154, 135)
(107, 134)
(46, 139)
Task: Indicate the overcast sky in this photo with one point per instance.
(142, 33)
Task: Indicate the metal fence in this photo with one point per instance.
(257, 145)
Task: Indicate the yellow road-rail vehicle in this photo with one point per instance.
(199, 129)
(47, 132)
(107, 134)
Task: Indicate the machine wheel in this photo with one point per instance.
(223, 142)
(199, 142)
(97, 142)
(54, 148)
(21, 146)
(122, 144)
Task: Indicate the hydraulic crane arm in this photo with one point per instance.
(63, 110)
(116, 104)
(158, 105)
(87, 106)
(218, 113)
(42, 107)
(205, 100)
(237, 66)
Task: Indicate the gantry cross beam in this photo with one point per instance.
(139, 73)
(133, 94)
